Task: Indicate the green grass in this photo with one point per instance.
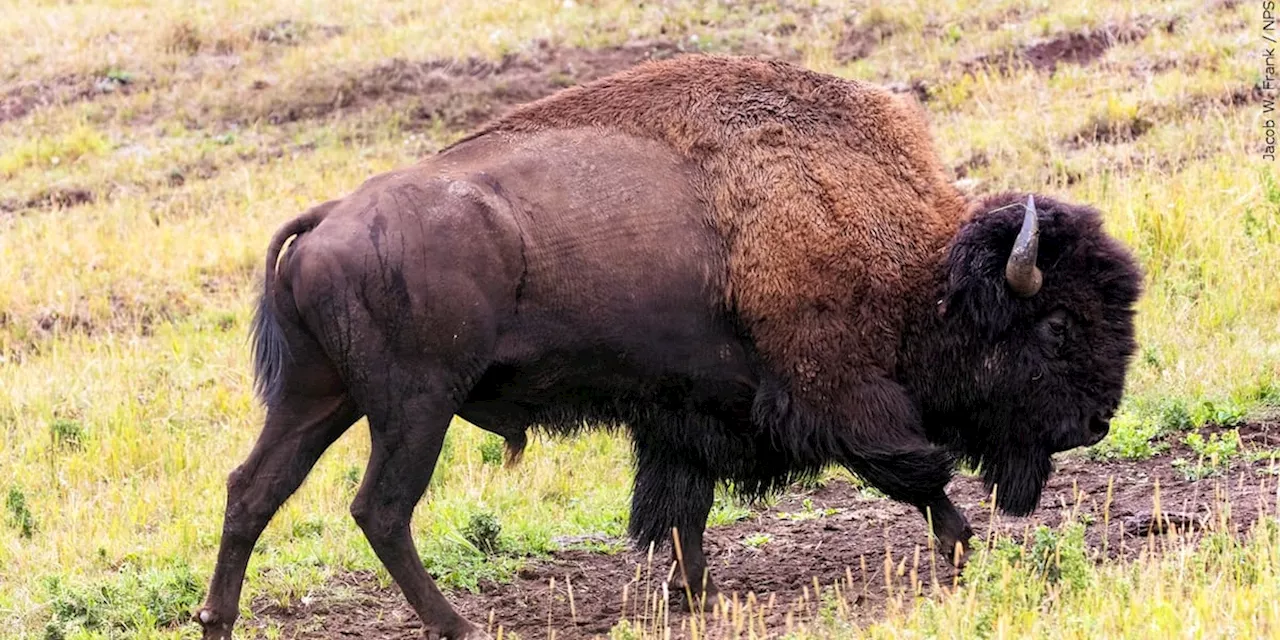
(1049, 587)
(124, 380)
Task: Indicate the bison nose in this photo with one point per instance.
(1099, 427)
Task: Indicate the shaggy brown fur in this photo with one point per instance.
(828, 192)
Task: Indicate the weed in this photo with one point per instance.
(312, 528)
(20, 516)
(67, 434)
(626, 630)
(1214, 454)
(1060, 557)
(1013, 578)
(492, 449)
(808, 512)
(351, 477)
(757, 540)
(1132, 438)
(482, 531)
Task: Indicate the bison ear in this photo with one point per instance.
(976, 296)
(977, 286)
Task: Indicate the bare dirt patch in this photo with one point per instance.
(1077, 47)
(21, 99)
(835, 535)
(1239, 96)
(294, 32)
(859, 40)
(55, 197)
(460, 94)
(1106, 130)
(457, 94)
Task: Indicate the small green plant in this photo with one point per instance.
(808, 512)
(1152, 357)
(311, 528)
(20, 516)
(1173, 415)
(491, 450)
(952, 34)
(1223, 414)
(1012, 578)
(728, 508)
(482, 530)
(1219, 448)
(351, 477)
(1214, 454)
(118, 76)
(757, 540)
(1132, 438)
(626, 630)
(812, 482)
(67, 434)
(1061, 556)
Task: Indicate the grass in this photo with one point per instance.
(1222, 587)
(1049, 582)
(124, 381)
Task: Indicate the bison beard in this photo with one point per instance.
(757, 269)
(1017, 479)
(1015, 467)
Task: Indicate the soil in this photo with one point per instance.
(1103, 130)
(294, 32)
(463, 93)
(26, 97)
(836, 536)
(1076, 47)
(858, 42)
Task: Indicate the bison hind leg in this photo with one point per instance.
(672, 498)
(298, 430)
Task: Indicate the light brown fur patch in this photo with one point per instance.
(828, 192)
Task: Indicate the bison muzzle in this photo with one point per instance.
(756, 269)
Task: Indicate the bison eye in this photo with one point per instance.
(1053, 330)
(1057, 326)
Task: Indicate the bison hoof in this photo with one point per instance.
(465, 631)
(701, 601)
(215, 628)
(956, 552)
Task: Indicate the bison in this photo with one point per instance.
(757, 269)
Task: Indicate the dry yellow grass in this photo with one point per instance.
(124, 380)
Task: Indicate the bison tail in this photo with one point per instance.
(270, 346)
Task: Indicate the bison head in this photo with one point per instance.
(1033, 338)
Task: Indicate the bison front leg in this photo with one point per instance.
(884, 444)
(950, 529)
(674, 495)
(917, 473)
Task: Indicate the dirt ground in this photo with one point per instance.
(873, 549)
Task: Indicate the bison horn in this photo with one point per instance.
(1021, 271)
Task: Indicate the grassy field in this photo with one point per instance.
(149, 149)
